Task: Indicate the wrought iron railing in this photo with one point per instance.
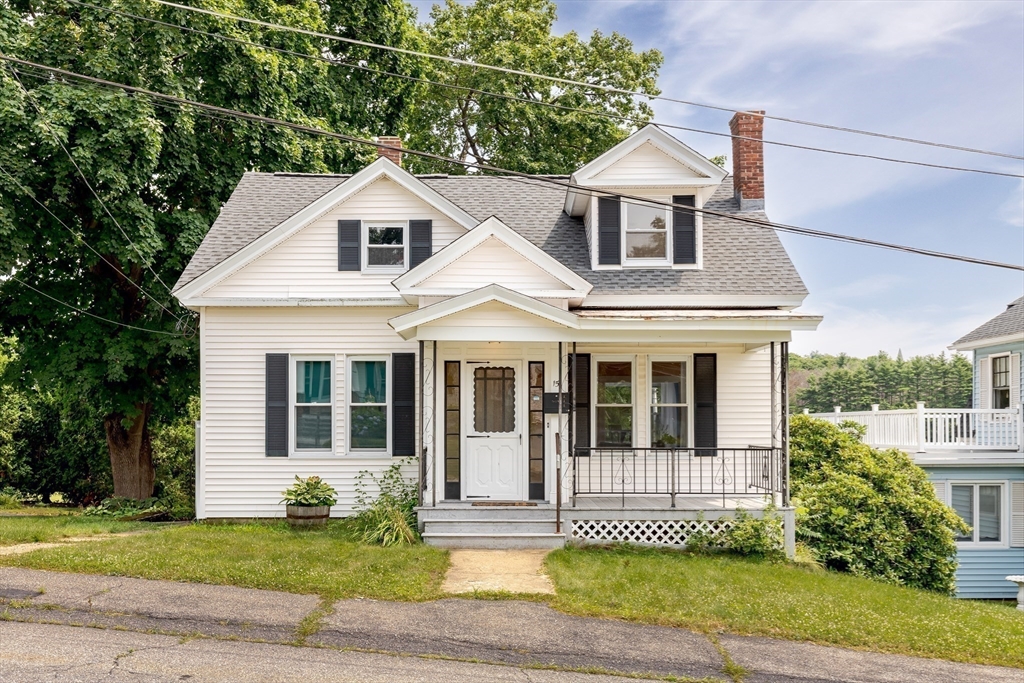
(671, 472)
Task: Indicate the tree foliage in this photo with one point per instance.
(869, 512)
(163, 172)
(516, 34)
(820, 382)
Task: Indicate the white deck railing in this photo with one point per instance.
(937, 429)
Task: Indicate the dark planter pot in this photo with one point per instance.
(302, 515)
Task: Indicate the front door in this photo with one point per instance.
(495, 466)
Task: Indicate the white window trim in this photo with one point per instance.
(293, 451)
(367, 452)
(679, 358)
(646, 262)
(595, 359)
(992, 377)
(1004, 511)
(365, 246)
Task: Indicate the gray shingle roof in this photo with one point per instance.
(739, 259)
(1010, 321)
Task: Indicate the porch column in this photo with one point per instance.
(428, 382)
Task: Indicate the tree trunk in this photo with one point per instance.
(131, 454)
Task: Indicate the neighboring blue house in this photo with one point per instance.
(974, 456)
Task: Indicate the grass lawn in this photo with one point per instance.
(33, 525)
(785, 601)
(270, 555)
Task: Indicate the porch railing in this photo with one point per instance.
(937, 429)
(628, 472)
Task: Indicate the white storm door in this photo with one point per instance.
(494, 445)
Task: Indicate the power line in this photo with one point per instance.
(42, 119)
(79, 237)
(91, 315)
(782, 227)
(334, 61)
(567, 81)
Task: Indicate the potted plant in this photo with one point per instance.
(308, 501)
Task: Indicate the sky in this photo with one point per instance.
(947, 71)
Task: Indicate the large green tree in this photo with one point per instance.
(520, 135)
(162, 173)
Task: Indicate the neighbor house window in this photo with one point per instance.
(980, 505)
(646, 232)
(669, 410)
(1001, 382)
(368, 404)
(314, 423)
(613, 409)
(386, 245)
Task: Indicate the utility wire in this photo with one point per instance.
(567, 81)
(42, 119)
(91, 315)
(79, 237)
(617, 117)
(782, 227)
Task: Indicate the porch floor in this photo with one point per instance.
(664, 502)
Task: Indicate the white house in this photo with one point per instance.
(555, 356)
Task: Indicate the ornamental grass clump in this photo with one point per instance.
(389, 517)
(870, 512)
(310, 492)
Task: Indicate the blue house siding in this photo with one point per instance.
(985, 352)
(982, 572)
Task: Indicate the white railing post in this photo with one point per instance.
(873, 427)
(921, 432)
(807, 411)
(1020, 428)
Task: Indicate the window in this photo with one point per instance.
(1000, 381)
(313, 406)
(613, 409)
(980, 505)
(385, 245)
(368, 404)
(669, 410)
(646, 232)
(494, 400)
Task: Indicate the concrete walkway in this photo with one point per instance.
(510, 639)
(513, 571)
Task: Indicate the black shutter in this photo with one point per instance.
(705, 399)
(609, 233)
(403, 404)
(684, 231)
(421, 242)
(276, 432)
(348, 245)
(579, 367)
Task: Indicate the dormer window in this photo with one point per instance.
(386, 245)
(646, 232)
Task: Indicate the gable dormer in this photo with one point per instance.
(629, 233)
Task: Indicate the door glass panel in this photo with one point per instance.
(989, 521)
(963, 503)
(494, 405)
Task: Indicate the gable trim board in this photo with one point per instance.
(1016, 337)
(408, 283)
(382, 168)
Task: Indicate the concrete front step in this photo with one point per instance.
(488, 540)
(540, 513)
(489, 525)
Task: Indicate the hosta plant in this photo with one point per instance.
(310, 492)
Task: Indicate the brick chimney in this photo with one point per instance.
(391, 141)
(748, 159)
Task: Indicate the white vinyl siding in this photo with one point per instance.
(236, 479)
(649, 163)
(493, 262)
(306, 264)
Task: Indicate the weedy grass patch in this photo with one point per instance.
(782, 600)
(44, 525)
(329, 561)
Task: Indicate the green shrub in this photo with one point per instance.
(310, 492)
(757, 536)
(870, 512)
(174, 459)
(119, 507)
(389, 517)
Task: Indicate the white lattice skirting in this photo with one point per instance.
(646, 532)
